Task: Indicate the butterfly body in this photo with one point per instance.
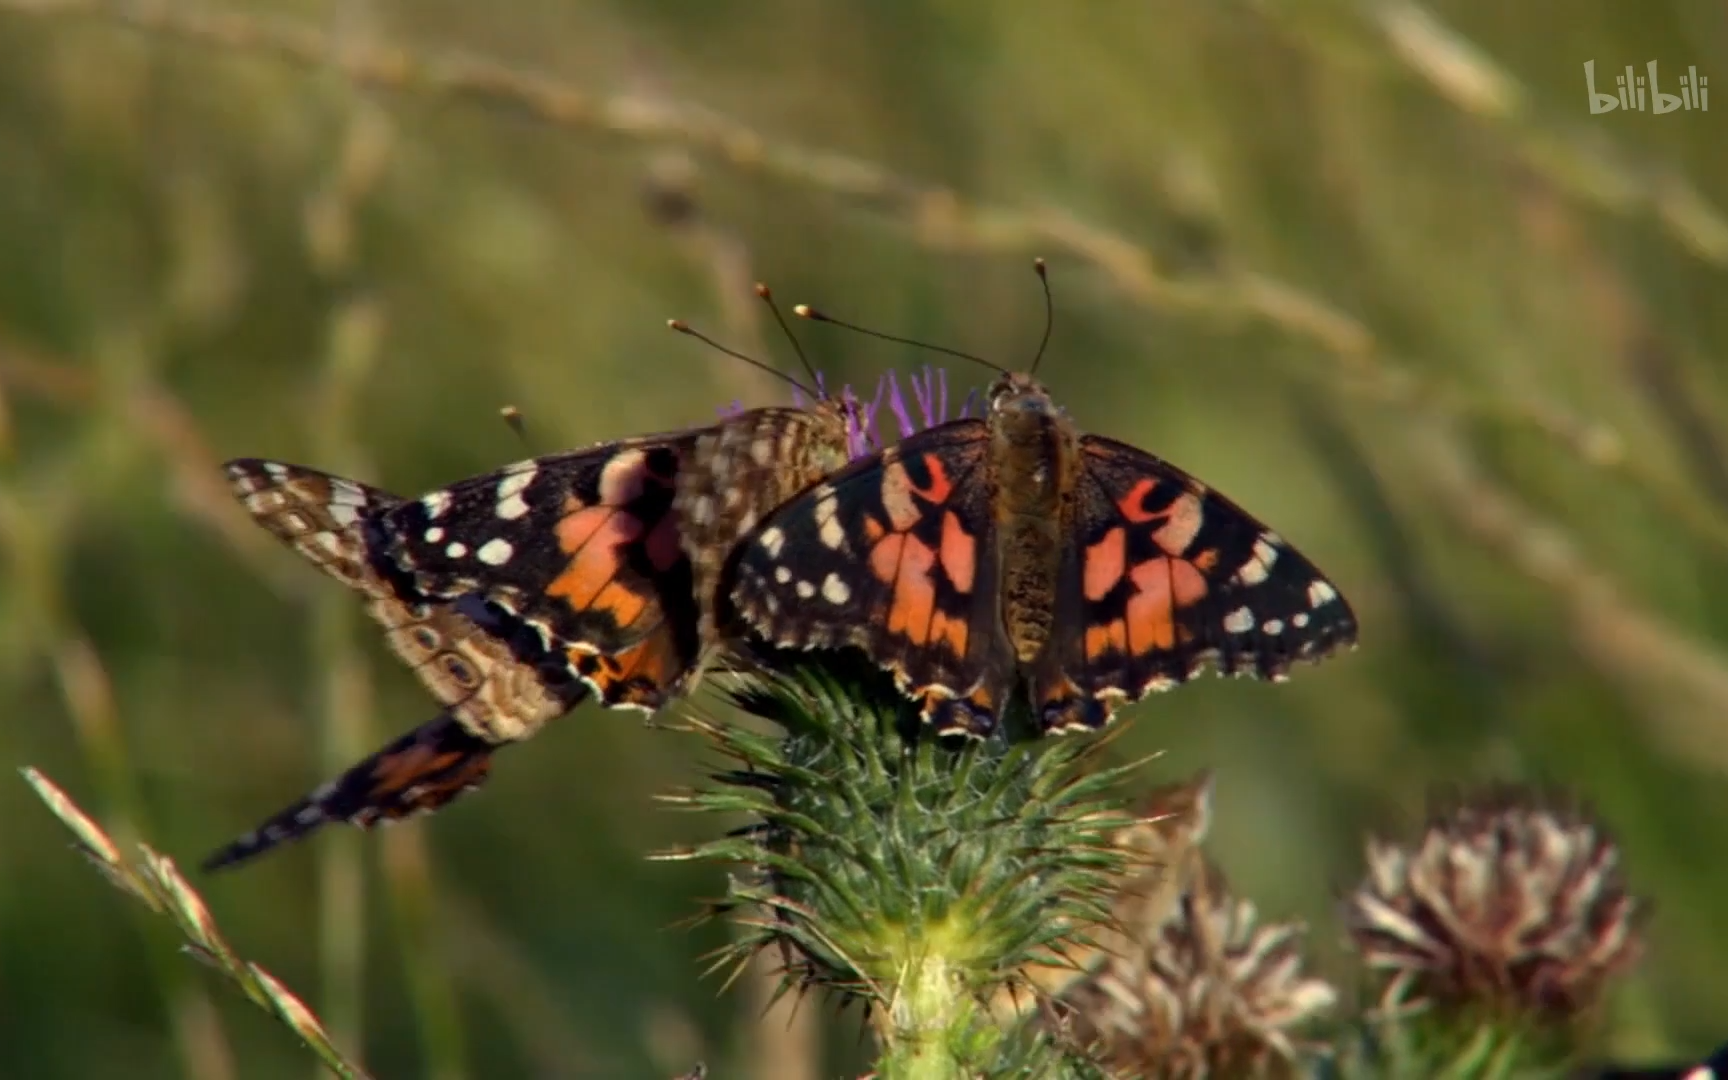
(517, 594)
(984, 556)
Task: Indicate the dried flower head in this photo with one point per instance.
(1203, 990)
(1509, 902)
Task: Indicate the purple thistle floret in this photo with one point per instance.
(929, 395)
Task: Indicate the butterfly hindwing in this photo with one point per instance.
(892, 554)
(1164, 576)
(417, 773)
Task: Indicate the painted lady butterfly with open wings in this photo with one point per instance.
(516, 594)
(986, 553)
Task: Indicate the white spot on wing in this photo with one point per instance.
(511, 505)
(772, 539)
(828, 529)
(1299, 620)
(834, 590)
(456, 550)
(1239, 621)
(1259, 568)
(436, 504)
(495, 552)
(1321, 593)
(435, 534)
(805, 590)
(1273, 627)
(782, 575)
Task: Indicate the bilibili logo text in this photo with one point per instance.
(1637, 91)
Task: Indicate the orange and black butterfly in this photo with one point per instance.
(985, 554)
(517, 594)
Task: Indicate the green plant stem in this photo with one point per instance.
(930, 1013)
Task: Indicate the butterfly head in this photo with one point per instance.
(1016, 393)
(1021, 411)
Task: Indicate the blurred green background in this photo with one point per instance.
(1374, 270)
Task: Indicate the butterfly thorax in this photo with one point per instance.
(1035, 452)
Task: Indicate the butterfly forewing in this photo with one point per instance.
(894, 555)
(498, 680)
(1166, 576)
(583, 546)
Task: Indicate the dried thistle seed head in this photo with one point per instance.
(1163, 849)
(1196, 988)
(1509, 901)
(1214, 995)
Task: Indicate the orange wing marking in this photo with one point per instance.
(959, 553)
(1162, 586)
(592, 537)
(400, 773)
(904, 563)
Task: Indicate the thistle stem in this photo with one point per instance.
(930, 1016)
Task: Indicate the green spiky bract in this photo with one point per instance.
(916, 877)
(1466, 1043)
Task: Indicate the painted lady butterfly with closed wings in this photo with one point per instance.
(517, 594)
(984, 554)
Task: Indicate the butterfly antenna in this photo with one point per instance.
(684, 328)
(1049, 314)
(767, 297)
(805, 311)
(512, 417)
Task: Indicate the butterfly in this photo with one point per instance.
(517, 594)
(986, 554)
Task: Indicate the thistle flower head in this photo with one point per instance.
(888, 868)
(860, 415)
(1191, 987)
(1210, 993)
(1508, 902)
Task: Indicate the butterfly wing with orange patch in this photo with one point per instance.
(417, 773)
(894, 554)
(581, 548)
(496, 679)
(1163, 576)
